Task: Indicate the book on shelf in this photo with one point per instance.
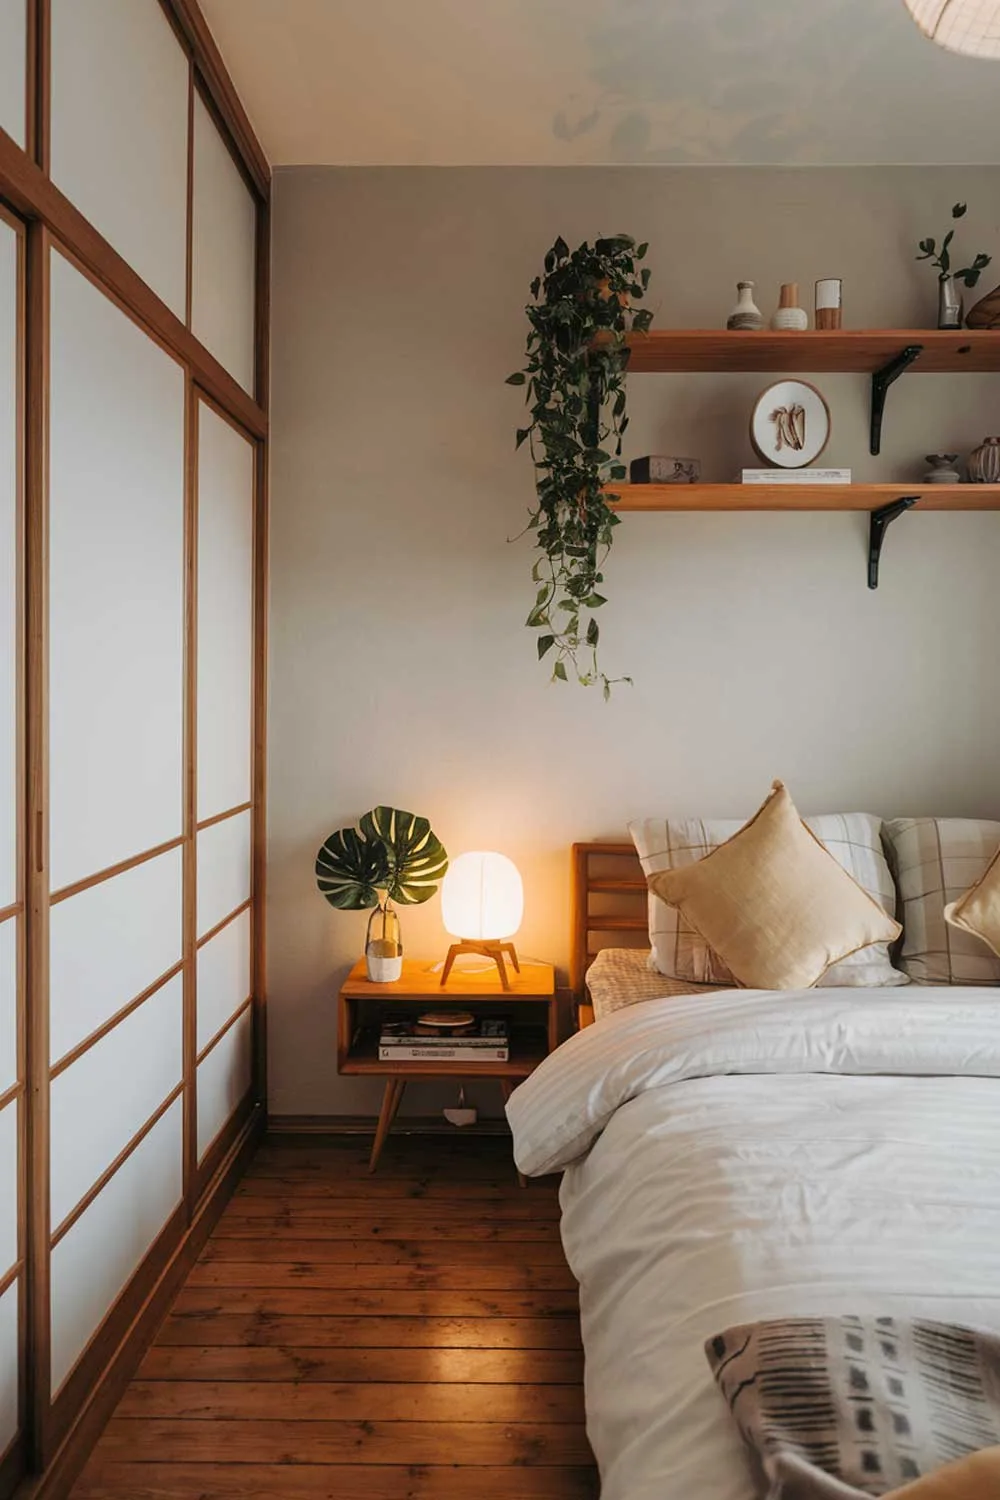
(488, 1040)
(482, 1033)
(795, 476)
(452, 1052)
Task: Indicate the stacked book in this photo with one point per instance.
(795, 476)
(408, 1041)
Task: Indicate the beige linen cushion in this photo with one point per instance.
(978, 911)
(854, 840)
(773, 903)
(937, 861)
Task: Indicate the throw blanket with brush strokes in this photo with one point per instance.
(846, 1408)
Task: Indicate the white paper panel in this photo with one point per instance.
(110, 943)
(8, 1186)
(8, 1003)
(8, 1366)
(119, 132)
(225, 614)
(13, 87)
(92, 1263)
(223, 1079)
(117, 584)
(100, 1102)
(8, 555)
(223, 977)
(224, 252)
(223, 870)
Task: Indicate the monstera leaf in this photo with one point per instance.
(417, 858)
(350, 871)
(394, 851)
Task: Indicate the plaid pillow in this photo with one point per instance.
(681, 953)
(935, 861)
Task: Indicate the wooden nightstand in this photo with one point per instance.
(529, 1007)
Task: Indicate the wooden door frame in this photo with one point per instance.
(55, 1430)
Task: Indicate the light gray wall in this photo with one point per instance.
(400, 668)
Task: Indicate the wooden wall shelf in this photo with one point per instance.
(883, 354)
(830, 497)
(852, 351)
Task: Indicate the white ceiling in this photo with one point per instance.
(574, 82)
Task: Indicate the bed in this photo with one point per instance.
(735, 1155)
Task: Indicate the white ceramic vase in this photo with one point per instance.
(746, 315)
(788, 316)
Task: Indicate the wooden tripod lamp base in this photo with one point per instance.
(487, 949)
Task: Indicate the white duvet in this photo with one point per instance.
(751, 1155)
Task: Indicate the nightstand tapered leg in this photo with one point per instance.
(507, 1088)
(391, 1100)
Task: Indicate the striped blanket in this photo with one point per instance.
(849, 1407)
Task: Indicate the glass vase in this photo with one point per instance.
(950, 303)
(384, 945)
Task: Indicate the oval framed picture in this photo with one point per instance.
(790, 424)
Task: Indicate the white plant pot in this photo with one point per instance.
(384, 970)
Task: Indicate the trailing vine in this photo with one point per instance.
(574, 374)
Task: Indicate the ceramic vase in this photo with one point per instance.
(746, 315)
(829, 303)
(383, 945)
(942, 469)
(984, 462)
(788, 316)
(950, 305)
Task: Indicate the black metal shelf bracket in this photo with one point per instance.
(881, 381)
(879, 522)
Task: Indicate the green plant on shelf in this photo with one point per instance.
(941, 258)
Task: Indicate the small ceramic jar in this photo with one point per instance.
(942, 469)
(788, 316)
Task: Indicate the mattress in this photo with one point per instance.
(748, 1155)
(623, 976)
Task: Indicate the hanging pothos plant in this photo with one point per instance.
(575, 380)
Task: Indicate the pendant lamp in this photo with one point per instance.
(968, 26)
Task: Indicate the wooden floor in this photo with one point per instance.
(408, 1336)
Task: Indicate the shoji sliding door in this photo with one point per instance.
(224, 768)
(13, 68)
(12, 1102)
(116, 799)
(133, 433)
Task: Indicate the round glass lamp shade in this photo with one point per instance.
(969, 26)
(482, 897)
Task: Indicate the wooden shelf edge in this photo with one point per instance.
(844, 350)
(816, 497)
(363, 1067)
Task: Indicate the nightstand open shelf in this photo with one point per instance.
(528, 1045)
(529, 1007)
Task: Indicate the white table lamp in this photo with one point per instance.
(482, 903)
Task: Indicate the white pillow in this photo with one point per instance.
(935, 861)
(678, 951)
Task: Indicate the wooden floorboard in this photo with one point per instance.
(411, 1336)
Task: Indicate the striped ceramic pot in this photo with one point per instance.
(984, 462)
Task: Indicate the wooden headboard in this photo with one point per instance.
(609, 905)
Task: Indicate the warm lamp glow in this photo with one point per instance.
(482, 897)
(969, 26)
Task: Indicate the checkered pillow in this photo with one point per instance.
(678, 951)
(935, 861)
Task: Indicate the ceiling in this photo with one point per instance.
(593, 82)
